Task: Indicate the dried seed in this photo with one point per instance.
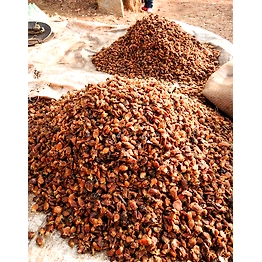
(40, 241)
(57, 210)
(123, 168)
(119, 251)
(34, 208)
(41, 231)
(116, 217)
(177, 205)
(105, 150)
(111, 252)
(46, 206)
(174, 244)
(153, 191)
(40, 180)
(71, 243)
(133, 205)
(31, 234)
(129, 239)
(142, 174)
(145, 241)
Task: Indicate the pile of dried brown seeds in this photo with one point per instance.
(157, 47)
(134, 168)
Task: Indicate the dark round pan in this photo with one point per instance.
(42, 36)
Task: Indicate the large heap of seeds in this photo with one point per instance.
(134, 168)
(159, 48)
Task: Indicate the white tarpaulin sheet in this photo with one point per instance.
(63, 64)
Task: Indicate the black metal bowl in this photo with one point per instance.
(39, 36)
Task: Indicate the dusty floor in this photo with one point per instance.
(212, 15)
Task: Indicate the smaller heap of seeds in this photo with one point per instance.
(159, 48)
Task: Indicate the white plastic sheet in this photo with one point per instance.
(63, 64)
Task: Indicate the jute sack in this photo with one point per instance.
(132, 5)
(219, 88)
